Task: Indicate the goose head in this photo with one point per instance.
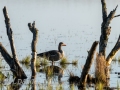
(60, 49)
(62, 44)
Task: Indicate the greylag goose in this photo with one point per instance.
(53, 55)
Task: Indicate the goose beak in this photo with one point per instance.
(63, 44)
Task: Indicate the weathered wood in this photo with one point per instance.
(33, 47)
(105, 28)
(9, 33)
(87, 65)
(113, 52)
(104, 10)
(19, 72)
(7, 58)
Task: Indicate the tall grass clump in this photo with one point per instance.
(64, 60)
(37, 63)
(100, 67)
(25, 60)
(43, 61)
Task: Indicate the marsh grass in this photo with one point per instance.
(37, 63)
(43, 61)
(75, 62)
(72, 87)
(63, 66)
(100, 74)
(59, 87)
(25, 60)
(49, 72)
(49, 87)
(99, 86)
(2, 77)
(64, 61)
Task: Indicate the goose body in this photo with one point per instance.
(53, 55)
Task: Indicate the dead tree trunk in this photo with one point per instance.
(87, 65)
(33, 47)
(105, 28)
(19, 72)
(8, 59)
(113, 52)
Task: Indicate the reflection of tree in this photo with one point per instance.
(33, 87)
(16, 85)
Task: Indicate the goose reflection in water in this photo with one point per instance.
(52, 71)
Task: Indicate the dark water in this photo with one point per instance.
(77, 23)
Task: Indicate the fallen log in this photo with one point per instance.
(17, 69)
(87, 66)
(105, 28)
(33, 47)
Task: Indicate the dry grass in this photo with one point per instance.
(37, 63)
(25, 60)
(100, 74)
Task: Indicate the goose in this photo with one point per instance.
(53, 55)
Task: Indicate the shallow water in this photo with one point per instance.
(77, 23)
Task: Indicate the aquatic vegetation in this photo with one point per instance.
(73, 79)
(99, 86)
(2, 77)
(37, 63)
(64, 61)
(75, 62)
(49, 87)
(49, 72)
(25, 60)
(63, 66)
(43, 61)
(72, 87)
(59, 87)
